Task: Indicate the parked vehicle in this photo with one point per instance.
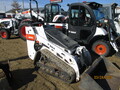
(109, 11)
(24, 19)
(88, 26)
(47, 15)
(9, 27)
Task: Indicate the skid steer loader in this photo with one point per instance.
(55, 53)
(58, 55)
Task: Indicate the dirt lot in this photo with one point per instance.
(26, 78)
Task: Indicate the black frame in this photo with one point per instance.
(51, 14)
(32, 18)
(78, 29)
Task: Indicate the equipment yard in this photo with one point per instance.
(78, 49)
(22, 68)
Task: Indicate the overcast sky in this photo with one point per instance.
(5, 5)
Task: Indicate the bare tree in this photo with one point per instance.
(15, 5)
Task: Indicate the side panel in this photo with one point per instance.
(30, 44)
(117, 27)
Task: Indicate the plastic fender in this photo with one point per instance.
(100, 31)
(57, 17)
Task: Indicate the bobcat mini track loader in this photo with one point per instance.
(56, 54)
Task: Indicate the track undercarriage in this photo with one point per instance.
(52, 65)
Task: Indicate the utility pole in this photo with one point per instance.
(23, 4)
(5, 8)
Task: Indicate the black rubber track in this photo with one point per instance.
(57, 65)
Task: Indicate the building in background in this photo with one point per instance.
(2, 14)
(9, 14)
